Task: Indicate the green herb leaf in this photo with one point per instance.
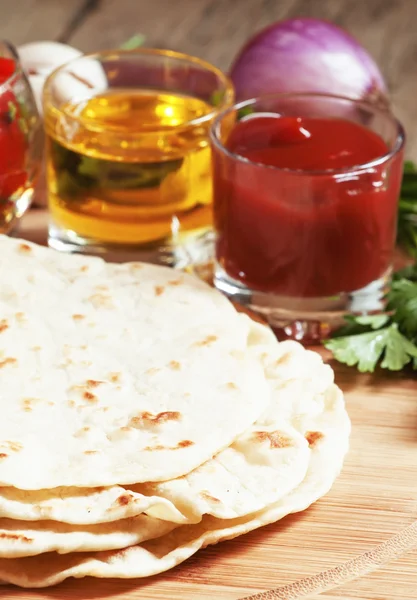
(361, 324)
(389, 339)
(374, 321)
(68, 187)
(407, 211)
(217, 97)
(114, 175)
(245, 111)
(410, 167)
(136, 41)
(12, 108)
(399, 351)
(366, 349)
(409, 272)
(402, 298)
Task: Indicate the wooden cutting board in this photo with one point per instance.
(374, 498)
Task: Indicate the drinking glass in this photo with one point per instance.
(128, 152)
(20, 140)
(305, 247)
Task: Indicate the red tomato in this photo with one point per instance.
(7, 68)
(13, 146)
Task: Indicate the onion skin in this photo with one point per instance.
(307, 55)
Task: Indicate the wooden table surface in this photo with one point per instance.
(376, 495)
(216, 29)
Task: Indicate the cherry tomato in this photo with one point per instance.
(13, 145)
(7, 68)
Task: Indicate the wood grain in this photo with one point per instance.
(374, 498)
(23, 21)
(217, 29)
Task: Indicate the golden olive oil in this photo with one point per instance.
(130, 167)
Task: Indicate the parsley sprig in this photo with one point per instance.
(389, 339)
(407, 211)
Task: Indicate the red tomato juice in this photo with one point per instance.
(293, 214)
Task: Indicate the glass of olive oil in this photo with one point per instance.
(128, 155)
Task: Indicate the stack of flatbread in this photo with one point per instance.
(143, 418)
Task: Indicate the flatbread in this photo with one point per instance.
(328, 434)
(20, 538)
(262, 465)
(116, 374)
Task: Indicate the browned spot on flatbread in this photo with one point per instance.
(135, 266)
(3, 325)
(15, 537)
(207, 341)
(8, 361)
(159, 290)
(93, 383)
(124, 499)
(25, 248)
(152, 371)
(27, 404)
(206, 496)
(3, 455)
(313, 437)
(175, 365)
(146, 418)
(84, 268)
(20, 316)
(13, 446)
(126, 429)
(101, 301)
(36, 348)
(78, 317)
(275, 438)
(102, 288)
(183, 444)
(90, 397)
(71, 403)
(115, 377)
(90, 452)
(231, 385)
(175, 282)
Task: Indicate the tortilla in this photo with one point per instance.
(328, 434)
(261, 465)
(130, 373)
(20, 538)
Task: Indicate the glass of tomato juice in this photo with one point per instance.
(306, 189)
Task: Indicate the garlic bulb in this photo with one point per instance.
(39, 59)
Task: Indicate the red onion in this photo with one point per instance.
(307, 55)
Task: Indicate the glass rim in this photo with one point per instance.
(226, 100)
(398, 146)
(17, 66)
